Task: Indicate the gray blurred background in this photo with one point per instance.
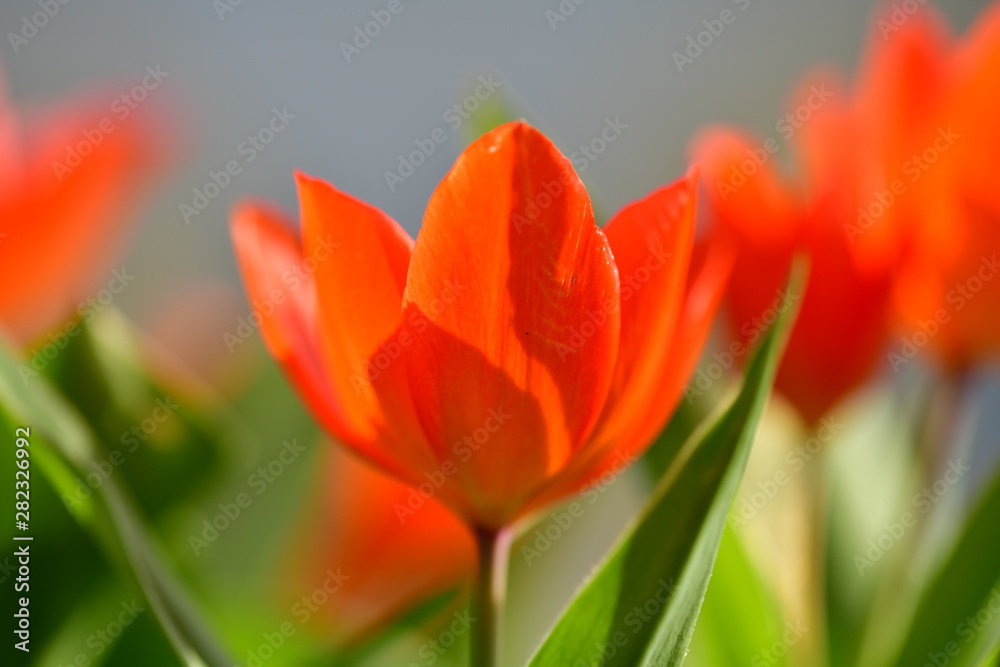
(230, 64)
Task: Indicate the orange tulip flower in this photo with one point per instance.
(935, 103)
(840, 333)
(895, 206)
(377, 565)
(504, 356)
(65, 189)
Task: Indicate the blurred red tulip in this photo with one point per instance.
(935, 102)
(384, 563)
(66, 186)
(510, 351)
(894, 203)
(842, 326)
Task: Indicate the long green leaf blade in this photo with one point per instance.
(640, 606)
(66, 448)
(961, 606)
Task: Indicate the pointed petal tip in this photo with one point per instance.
(518, 131)
(305, 182)
(693, 175)
(251, 220)
(301, 175)
(308, 185)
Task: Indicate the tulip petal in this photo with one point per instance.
(361, 257)
(651, 240)
(759, 213)
(837, 292)
(976, 107)
(267, 248)
(711, 267)
(285, 300)
(360, 260)
(521, 292)
(845, 284)
(708, 275)
(900, 86)
(843, 176)
(61, 220)
(743, 194)
(390, 562)
(8, 141)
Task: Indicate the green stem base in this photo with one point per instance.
(488, 596)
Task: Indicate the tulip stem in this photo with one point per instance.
(489, 595)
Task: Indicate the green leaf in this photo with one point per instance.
(740, 618)
(993, 660)
(104, 602)
(105, 373)
(871, 477)
(685, 421)
(63, 447)
(960, 608)
(640, 606)
(422, 614)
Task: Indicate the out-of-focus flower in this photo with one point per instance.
(511, 350)
(67, 183)
(380, 562)
(934, 103)
(843, 320)
(894, 202)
